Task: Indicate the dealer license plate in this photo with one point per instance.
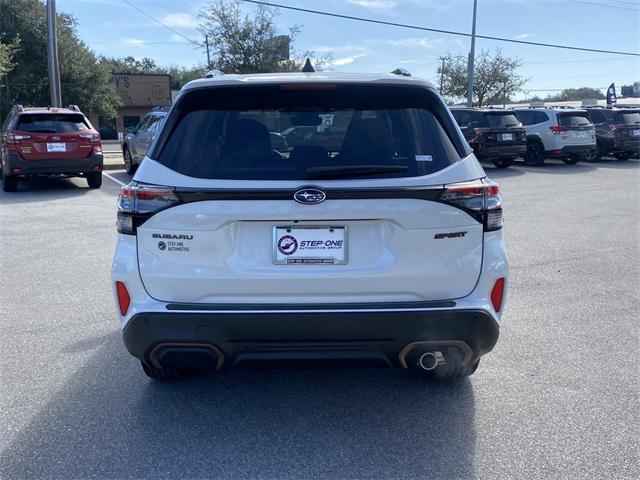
(636, 133)
(507, 137)
(323, 245)
(56, 147)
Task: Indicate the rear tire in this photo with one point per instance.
(9, 183)
(535, 154)
(572, 160)
(94, 179)
(129, 166)
(503, 162)
(623, 155)
(161, 374)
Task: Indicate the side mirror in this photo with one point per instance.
(129, 130)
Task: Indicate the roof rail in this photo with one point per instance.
(402, 72)
(160, 109)
(17, 108)
(74, 108)
(308, 67)
(213, 73)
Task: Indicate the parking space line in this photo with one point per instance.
(122, 184)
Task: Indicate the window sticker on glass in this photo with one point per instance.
(424, 158)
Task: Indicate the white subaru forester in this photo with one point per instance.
(310, 217)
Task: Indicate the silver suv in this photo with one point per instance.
(138, 140)
(563, 133)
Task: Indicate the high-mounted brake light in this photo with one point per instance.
(137, 203)
(557, 129)
(479, 198)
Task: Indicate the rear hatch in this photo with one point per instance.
(575, 128)
(627, 125)
(501, 128)
(325, 222)
(48, 136)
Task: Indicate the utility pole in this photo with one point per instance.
(442, 75)
(471, 57)
(206, 42)
(52, 55)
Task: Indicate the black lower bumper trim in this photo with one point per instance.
(284, 335)
(73, 166)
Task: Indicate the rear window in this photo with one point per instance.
(293, 132)
(51, 123)
(500, 120)
(573, 120)
(531, 117)
(630, 118)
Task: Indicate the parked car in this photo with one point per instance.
(563, 133)
(388, 251)
(138, 140)
(495, 135)
(45, 141)
(617, 132)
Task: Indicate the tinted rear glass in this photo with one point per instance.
(51, 123)
(289, 133)
(500, 120)
(630, 118)
(573, 120)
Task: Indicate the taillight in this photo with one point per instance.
(137, 203)
(92, 137)
(16, 138)
(616, 126)
(557, 129)
(479, 198)
(480, 133)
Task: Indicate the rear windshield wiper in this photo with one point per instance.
(352, 170)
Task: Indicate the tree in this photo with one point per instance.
(495, 77)
(576, 94)
(83, 80)
(179, 75)
(250, 43)
(7, 53)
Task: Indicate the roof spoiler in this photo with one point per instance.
(74, 108)
(213, 73)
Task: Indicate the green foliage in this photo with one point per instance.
(495, 77)
(179, 75)
(576, 94)
(84, 81)
(7, 53)
(243, 43)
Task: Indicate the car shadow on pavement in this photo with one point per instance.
(110, 421)
(42, 189)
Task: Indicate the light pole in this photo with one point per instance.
(471, 58)
(52, 55)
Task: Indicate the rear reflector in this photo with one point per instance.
(496, 294)
(123, 298)
(16, 170)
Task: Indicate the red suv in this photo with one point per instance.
(49, 141)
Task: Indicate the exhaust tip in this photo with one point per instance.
(430, 360)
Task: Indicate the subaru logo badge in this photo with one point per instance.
(309, 196)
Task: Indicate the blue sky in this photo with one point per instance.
(111, 27)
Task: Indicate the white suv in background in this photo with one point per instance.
(376, 240)
(562, 133)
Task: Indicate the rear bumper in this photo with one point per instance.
(627, 145)
(569, 150)
(72, 166)
(232, 337)
(495, 151)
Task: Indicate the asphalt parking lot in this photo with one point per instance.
(558, 397)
